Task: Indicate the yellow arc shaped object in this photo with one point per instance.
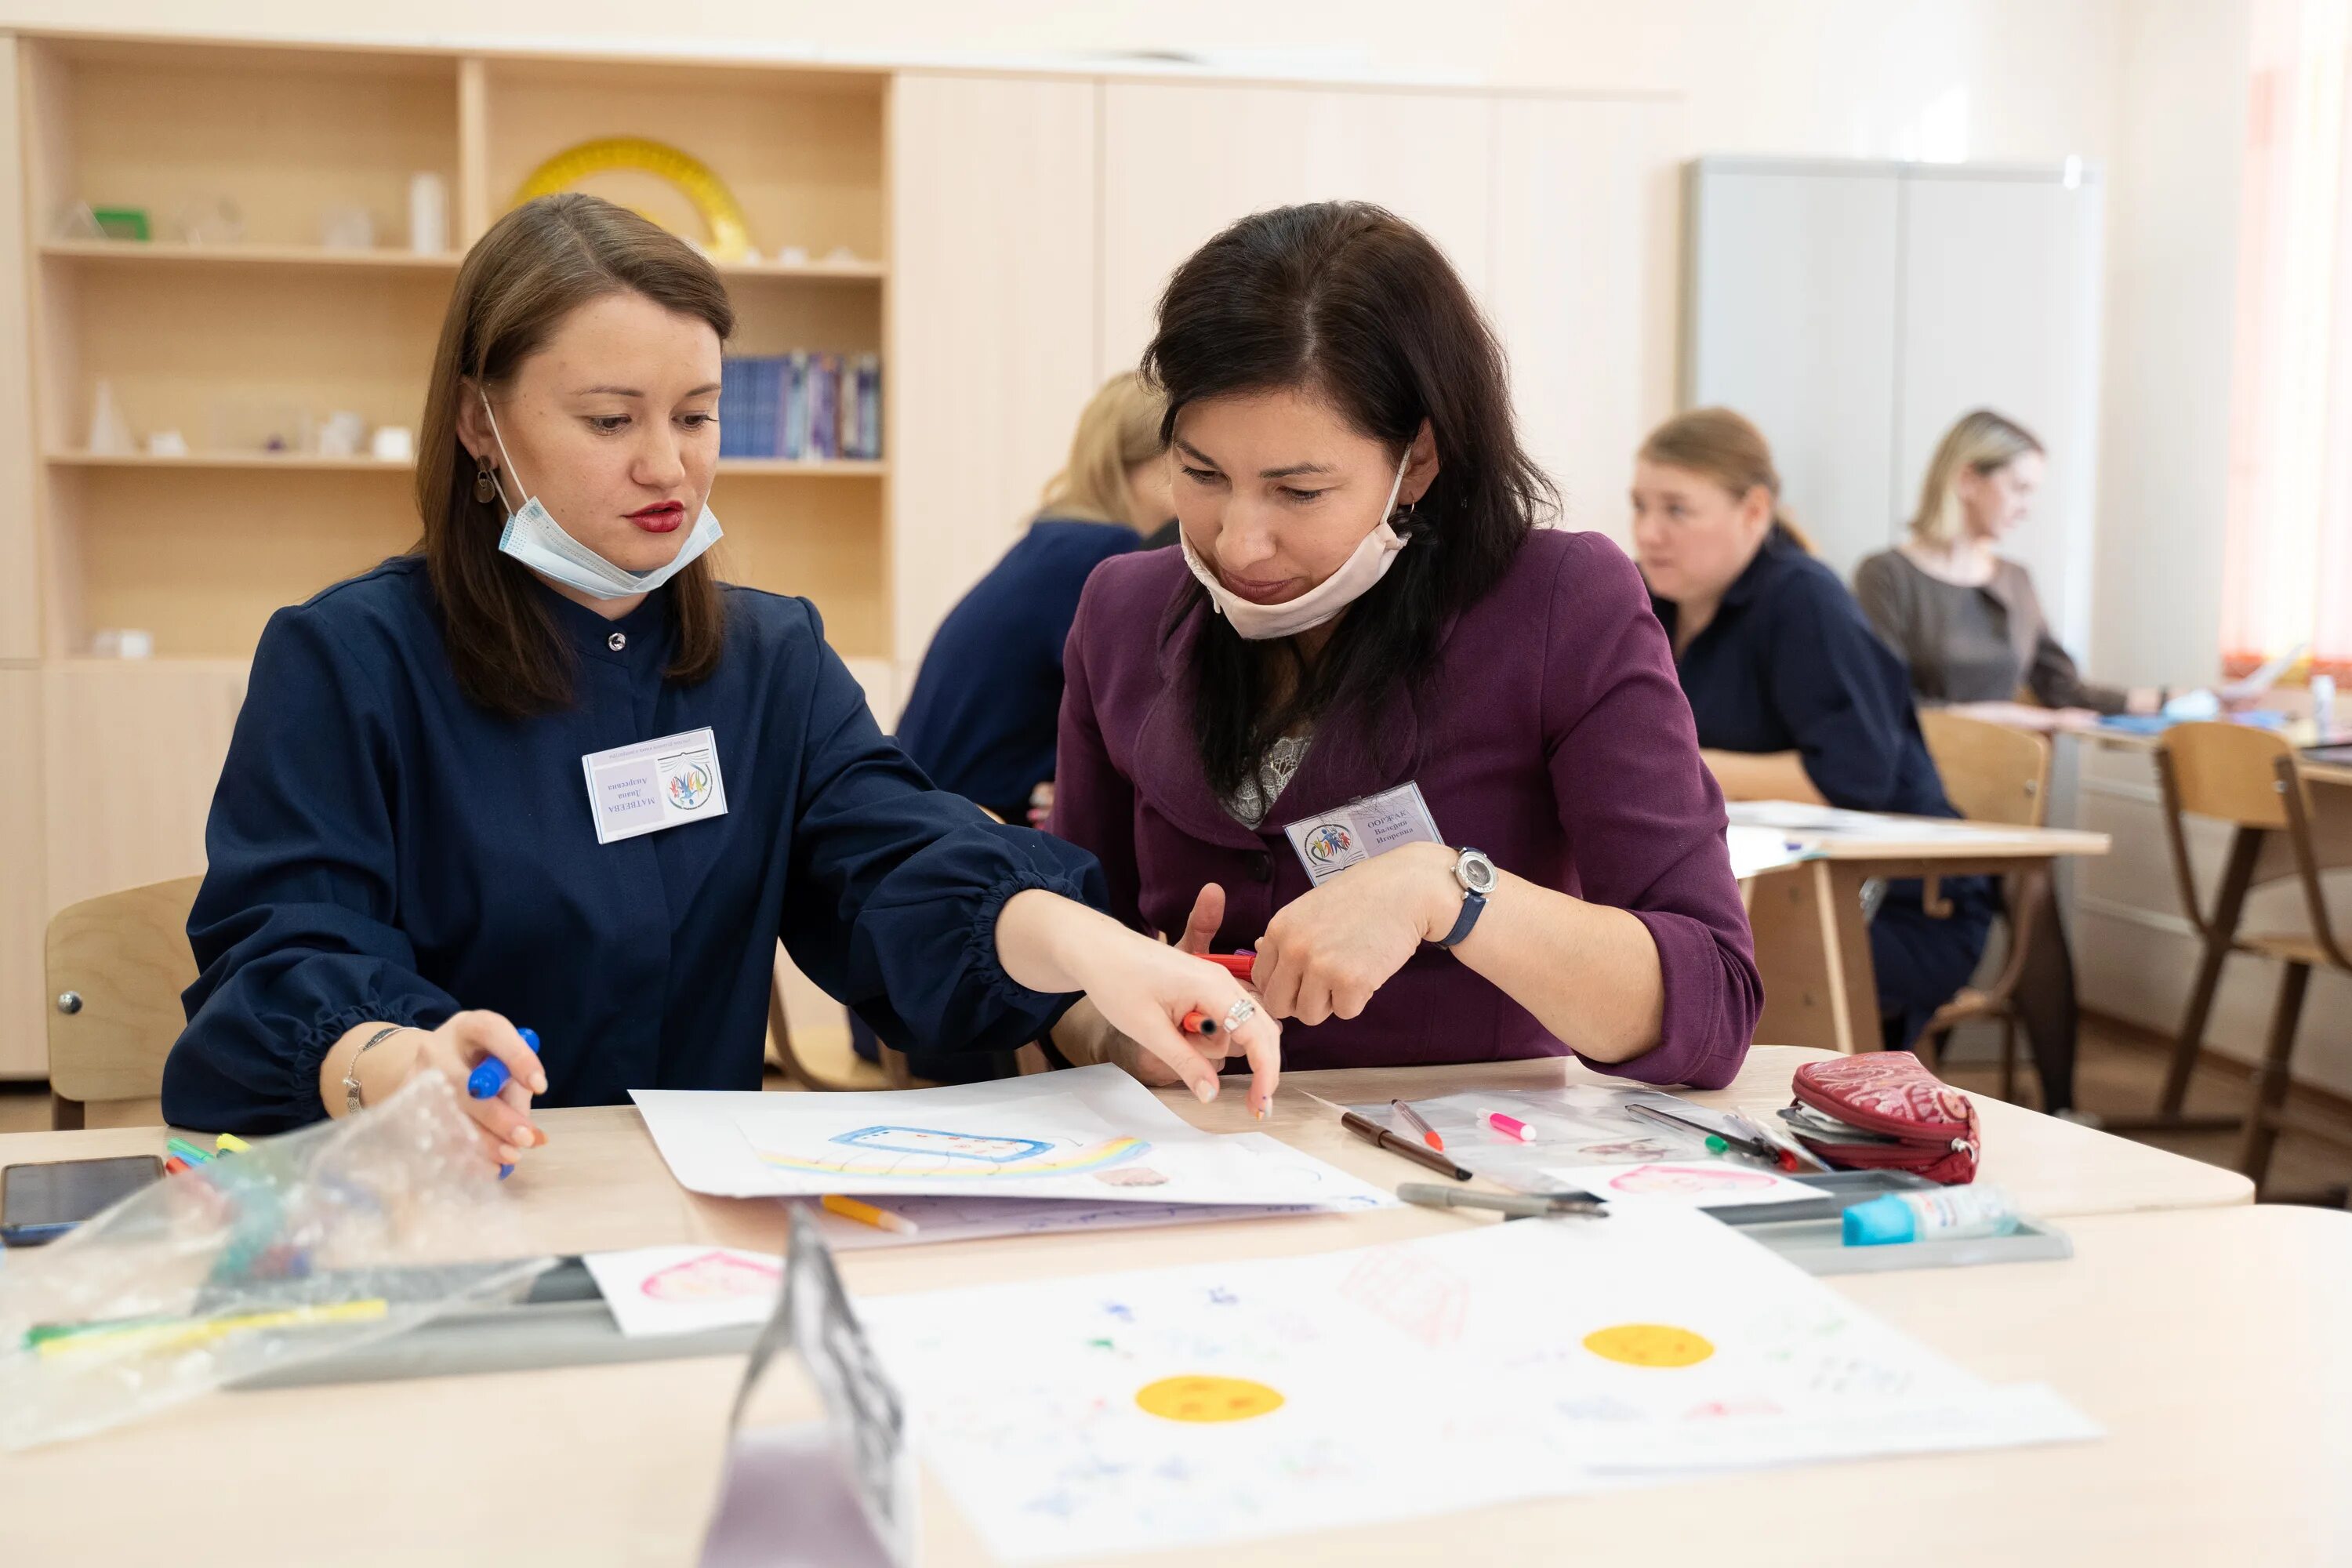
(730, 235)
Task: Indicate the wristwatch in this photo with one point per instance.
(1477, 875)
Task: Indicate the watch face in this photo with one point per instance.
(1476, 872)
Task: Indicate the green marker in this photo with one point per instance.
(1715, 1145)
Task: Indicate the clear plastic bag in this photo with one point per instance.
(311, 1244)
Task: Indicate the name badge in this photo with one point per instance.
(654, 784)
(1330, 844)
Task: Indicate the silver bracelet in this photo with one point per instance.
(352, 1104)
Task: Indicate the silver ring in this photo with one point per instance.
(1240, 1012)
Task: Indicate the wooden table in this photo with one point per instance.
(1812, 944)
(2207, 1339)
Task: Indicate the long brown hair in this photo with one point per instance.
(1353, 302)
(536, 266)
(1725, 447)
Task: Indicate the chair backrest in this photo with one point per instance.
(2229, 771)
(1993, 772)
(116, 967)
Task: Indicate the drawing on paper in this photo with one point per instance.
(930, 1153)
(1207, 1399)
(1678, 1179)
(1418, 1298)
(713, 1277)
(1649, 1344)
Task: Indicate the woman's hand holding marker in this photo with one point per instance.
(484, 1048)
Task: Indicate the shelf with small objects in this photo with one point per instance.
(240, 260)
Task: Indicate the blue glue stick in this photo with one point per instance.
(490, 1075)
(1944, 1213)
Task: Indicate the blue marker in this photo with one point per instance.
(490, 1076)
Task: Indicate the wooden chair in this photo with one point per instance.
(1994, 773)
(116, 966)
(2246, 777)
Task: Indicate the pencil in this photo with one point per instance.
(866, 1214)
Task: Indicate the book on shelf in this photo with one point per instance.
(801, 407)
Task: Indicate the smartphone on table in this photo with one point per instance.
(40, 1202)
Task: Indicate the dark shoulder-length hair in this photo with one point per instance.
(1354, 303)
(536, 266)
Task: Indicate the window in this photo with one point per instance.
(2287, 577)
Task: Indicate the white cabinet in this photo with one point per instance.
(1181, 161)
(1854, 309)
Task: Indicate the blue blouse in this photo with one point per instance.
(1789, 664)
(382, 847)
(986, 704)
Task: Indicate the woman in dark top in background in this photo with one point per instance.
(1796, 698)
(981, 721)
(985, 703)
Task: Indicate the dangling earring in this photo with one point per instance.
(486, 484)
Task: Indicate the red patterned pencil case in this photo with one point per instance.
(1890, 1093)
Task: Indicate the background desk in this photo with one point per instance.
(1812, 945)
(2208, 1341)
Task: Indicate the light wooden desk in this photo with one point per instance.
(1812, 945)
(2208, 1341)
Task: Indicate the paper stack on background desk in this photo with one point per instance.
(1187, 1406)
(1091, 1133)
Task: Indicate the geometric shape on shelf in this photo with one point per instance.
(730, 233)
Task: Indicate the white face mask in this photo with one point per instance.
(533, 537)
(1355, 578)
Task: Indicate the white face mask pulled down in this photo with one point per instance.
(1355, 578)
(533, 537)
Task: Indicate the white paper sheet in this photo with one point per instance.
(1691, 1184)
(1091, 1132)
(1756, 850)
(961, 1218)
(1802, 821)
(658, 1290)
(1188, 1406)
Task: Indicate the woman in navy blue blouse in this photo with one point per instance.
(1795, 695)
(421, 842)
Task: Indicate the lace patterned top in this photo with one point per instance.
(1257, 794)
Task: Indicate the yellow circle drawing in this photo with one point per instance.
(1199, 1398)
(730, 235)
(1648, 1344)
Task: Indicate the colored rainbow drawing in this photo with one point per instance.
(926, 1154)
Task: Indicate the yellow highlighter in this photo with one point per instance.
(866, 1214)
(232, 1143)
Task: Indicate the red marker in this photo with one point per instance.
(174, 1165)
(1412, 1118)
(1240, 966)
(1198, 1023)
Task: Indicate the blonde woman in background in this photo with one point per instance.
(987, 701)
(1964, 618)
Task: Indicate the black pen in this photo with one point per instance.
(1418, 1153)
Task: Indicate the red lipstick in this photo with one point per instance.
(662, 517)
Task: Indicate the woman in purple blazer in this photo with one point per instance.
(1429, 761)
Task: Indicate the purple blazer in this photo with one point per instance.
(1553, 736)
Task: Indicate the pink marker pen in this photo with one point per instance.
(1508, 1126)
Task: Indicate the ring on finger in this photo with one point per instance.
(1240, 1012)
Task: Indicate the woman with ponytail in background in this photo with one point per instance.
(1795, 695)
